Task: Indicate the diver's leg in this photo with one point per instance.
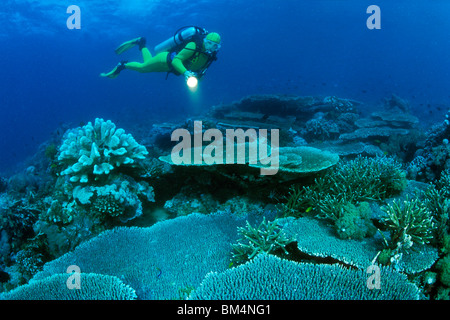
(146, 55)
(157, 63)
(137, 66)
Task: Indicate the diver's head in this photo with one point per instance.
(212, 42)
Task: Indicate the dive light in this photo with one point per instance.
(192, 82)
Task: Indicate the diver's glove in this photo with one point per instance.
(188, 74)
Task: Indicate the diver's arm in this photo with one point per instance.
(182, 56)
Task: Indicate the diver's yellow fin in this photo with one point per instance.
(127, 45)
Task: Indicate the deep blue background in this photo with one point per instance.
(50, 75)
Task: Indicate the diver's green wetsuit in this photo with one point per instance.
(180, 62)
(190, 58)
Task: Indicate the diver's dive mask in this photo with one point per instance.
(211, 46)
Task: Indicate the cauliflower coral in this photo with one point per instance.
(97, 149)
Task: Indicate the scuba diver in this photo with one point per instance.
(189, 52)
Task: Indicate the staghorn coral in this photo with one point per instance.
(408, 223)
(94, 150)
(353, 181)
(367, 178)
(436, 200)
(351, 221)
(267, 238)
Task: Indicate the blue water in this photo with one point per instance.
(50, 74)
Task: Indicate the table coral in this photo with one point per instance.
(268, 277)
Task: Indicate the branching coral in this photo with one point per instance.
(408, 222)
(299, 201)
(438, 203)
(107, 206)
(353, 181)
(437, 199)
(341, 192)
(267, 237)
(366, 178)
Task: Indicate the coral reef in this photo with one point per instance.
(340, 202)
(205, 249)
(284, 105)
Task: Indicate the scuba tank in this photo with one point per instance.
(181, 37)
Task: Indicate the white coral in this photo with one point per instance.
(97, 149)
